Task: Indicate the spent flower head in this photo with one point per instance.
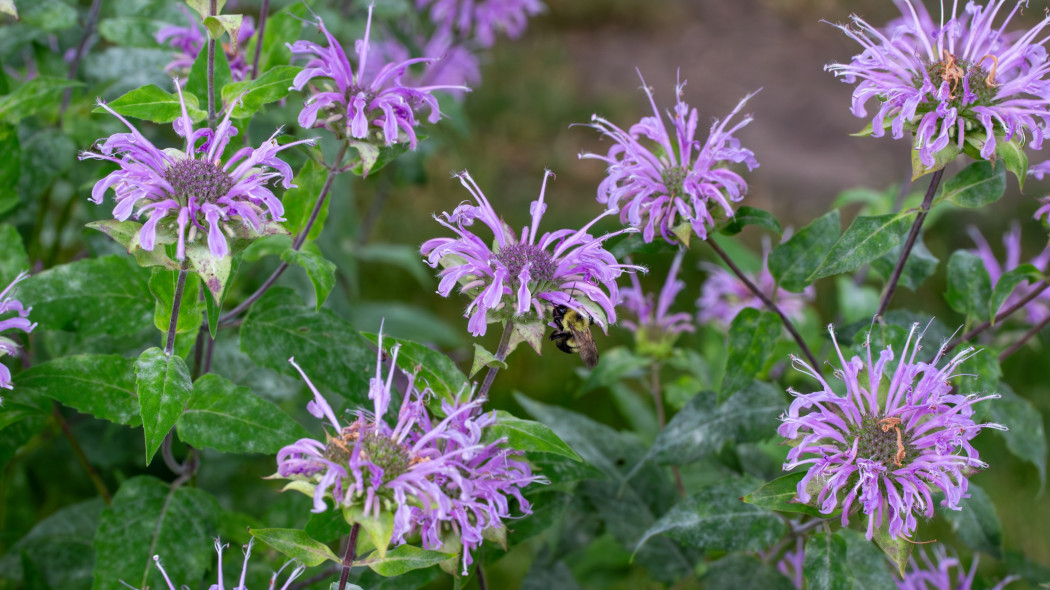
(939, 571)
(219, 546)
(189, 40)
(667, 180)
(363, 101)
(886, 445)
(13, 316)
(962, 82)
(515, 274)
(724, 294)
(656, 329)
(434, 474)
(1037, 309)
(481, 20)
(189, 193)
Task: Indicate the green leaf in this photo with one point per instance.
(13, 257)
(400, 255)
(373, 158)
(150, 103)
(147, 518)
(703, 426)
(378, 529)
(335, 357)
(745, 216)
(825, 564)
(792, 262)
(297, 545)
(969, 287)
(484, 358)
(162, 284)
(213, 270)
(270, 87)
(620, 363)
(203, 7)
(405, 558)
(977, 185)
(197, 81)
(752, 337)
(435, 369)
(213, 306)
(941, 159)
(231, 419)
(1006, 284)
(740, 571)
(130, 31)
(1026, 438)
(714, 518)
(10, 169)
(50, 15)
(320, 271)
(866, 239)
(127, 234)
(100, 385)
(224, 23)
(898, 549)
(299, 201)
(61, 544)
(107, 295)
(527, 435)
(976, 523)
(163, 386)
(1012, 154)
(780, 494)
(866, 562)
(35, 96)
(921, 265)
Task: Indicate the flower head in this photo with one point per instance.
(17, 321)
(482, 20)
(430, 472)
(354, 104)
(655, 327)
(724, 295)
(886, 445)
(219, 546)
(941, 572)
(192, 192)
(1037, 309)
(449, 65)
(522, 273)
(671, 182)
(966, 80)
(189, 40)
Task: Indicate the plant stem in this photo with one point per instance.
(1035, 292)
(176, 303)
(226, 318)
(348, 556)
(74, 65)
(501, 354)
(913, 235)
(768, 303)
(482, 584)
(661, 417)
(100, 485)
(259, 35)
(213, 9)
(1027, 336)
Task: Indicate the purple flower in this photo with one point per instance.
(886, 445)
(724, 295)
(937, 573)
(655, 328)
(671, 183)
(432, 473)
(947, 82)
(534, 273)
(791, 562)
(296, 572)
(364, 100)
(17, 321)
(192, 191)
(189, 40)
(482, 20)
(452, 66)
(1037, 309)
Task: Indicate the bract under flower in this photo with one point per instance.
(18, 321)
(520, 274)
(884, 445)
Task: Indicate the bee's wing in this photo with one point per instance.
(585, 346)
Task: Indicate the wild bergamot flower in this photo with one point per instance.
(18, 321)
(964, 80)
(724, 294)
(655, 328)
(667, 180)
(514, 275)
(481, 20)
(884, 444)
(434, 474)
(189, 40)
(939, 571)
(1037, 309)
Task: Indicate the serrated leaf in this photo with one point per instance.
(100, 385)
(163, 386)
(300, 200)
(405, 558)
(150, 103)
(752, 337)
(435, 369)
(297, 545)
(482, 359)
(825, 564)
(320, 271)
(780, 495)
(898, 549)
(148, 517)
(703, 426)
(36, 95)
(866, 239)
(271, 86)
(745, 216)
(528, 436)
(977, 185)
(969, 287)
(231, 419)
(1026, 438)
(792, 262)
(976, 523)
(1006, 284)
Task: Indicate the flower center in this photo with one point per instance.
(377, 449)
(516, 256)
(199, 180)
(960, 74)
(882, 440)
(673, 179)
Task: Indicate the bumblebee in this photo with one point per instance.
(572, 334)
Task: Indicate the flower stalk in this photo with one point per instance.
(264, 11)
(213, 9)
(501, 355)
(176, 304)
(349, 555)
(913, 235)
